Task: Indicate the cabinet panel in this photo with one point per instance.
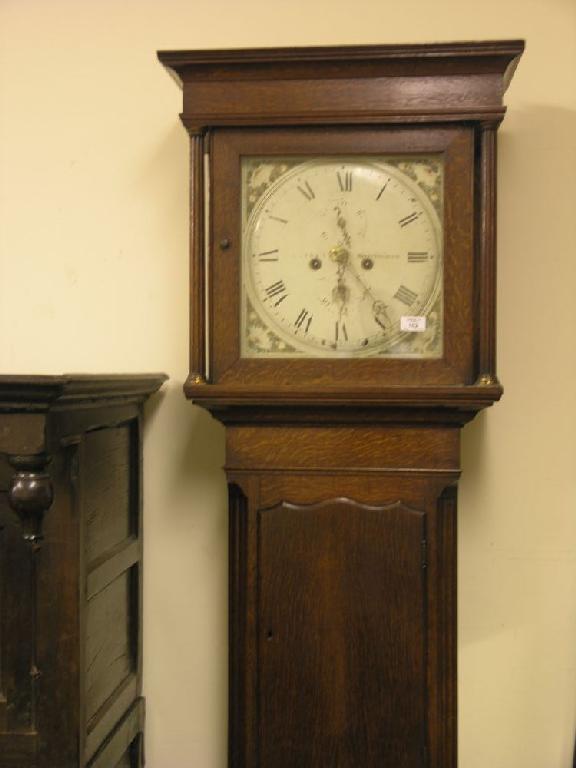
(109, 644)
(109, 493)
(126, 761)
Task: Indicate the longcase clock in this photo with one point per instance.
(343, 266)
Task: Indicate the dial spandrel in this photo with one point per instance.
(338, 253)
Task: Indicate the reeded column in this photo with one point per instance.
(487, 255)
(198, 340)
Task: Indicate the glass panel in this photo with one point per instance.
(342, 256)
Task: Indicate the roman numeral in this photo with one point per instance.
(307, 191)
(277, 218)
(408, 219)
(265, 255)
(382, 190)
(405, 295)
(303, 318)
(340, 330)
(417, 256)
(345, 181)
(277, 289)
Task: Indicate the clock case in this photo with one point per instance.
(444, 98)
(343, 473)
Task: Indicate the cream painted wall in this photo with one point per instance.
(93, 271)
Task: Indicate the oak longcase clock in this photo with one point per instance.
(343, 267)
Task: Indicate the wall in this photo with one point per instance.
(93, 270)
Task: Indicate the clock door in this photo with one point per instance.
(342, 640)
(329, 248)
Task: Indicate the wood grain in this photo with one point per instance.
(352, 617)
(109, 496)
(345, 84)
(339, 448)
(108, 643)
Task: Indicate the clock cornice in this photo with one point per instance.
(487, 57)
(372, 84)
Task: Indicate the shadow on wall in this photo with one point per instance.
(536, 159)
(185, 617)
(194, 447)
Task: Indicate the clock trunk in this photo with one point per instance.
(342, 588)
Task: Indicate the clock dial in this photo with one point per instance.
(341, 258)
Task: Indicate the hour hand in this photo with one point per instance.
(341, 294)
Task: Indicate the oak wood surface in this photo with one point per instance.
(344, 84)
(108, 490)
(338, 621)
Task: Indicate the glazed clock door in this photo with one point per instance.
(330, 258)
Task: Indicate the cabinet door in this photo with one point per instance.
(336, 635)
(342, 635)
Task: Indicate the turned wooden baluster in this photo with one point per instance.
(30, 496)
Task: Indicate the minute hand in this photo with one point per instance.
(378, 307)
(354, 274)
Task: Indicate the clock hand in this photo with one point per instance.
(341, 221)
(341, 293)
(381, 315)
(378, 307)
(355, 274)
(342, 257)
(341, 254)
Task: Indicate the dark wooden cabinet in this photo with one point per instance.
(71, 570)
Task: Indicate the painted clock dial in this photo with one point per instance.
(342, 257)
